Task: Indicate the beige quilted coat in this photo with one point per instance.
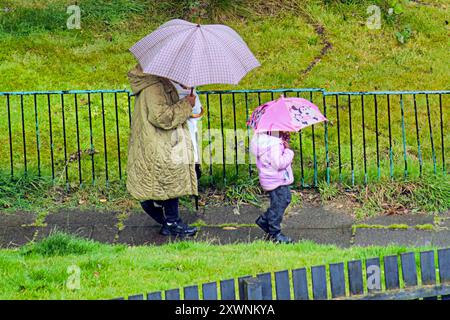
(160, 154)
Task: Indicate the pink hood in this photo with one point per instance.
(273, 161)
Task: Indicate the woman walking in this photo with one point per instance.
(161, 165)
(161, 159)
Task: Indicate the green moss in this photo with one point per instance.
(428, 227)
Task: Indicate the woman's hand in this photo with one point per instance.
(191, 100)
(286, 144)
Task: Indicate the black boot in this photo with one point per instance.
(178, 229)
(280, 238)
(263, 224)
(154, 210)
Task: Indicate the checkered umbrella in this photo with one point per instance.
(194, 54)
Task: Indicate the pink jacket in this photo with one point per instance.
(273, 161)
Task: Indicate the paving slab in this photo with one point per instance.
(99, 226)
(16, 219)
(15, 229)
(11, 237)
(101, 233)
(408, 237)
(136, 235)
(444, 220)
(337, 236)
(78, 217)
(218, 235)
(317, 217)
(442, 238)
(243, 214)
(410, 220)
(141, 235)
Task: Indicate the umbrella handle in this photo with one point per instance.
(192, 91)
(197, 115)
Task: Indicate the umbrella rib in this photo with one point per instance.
(147, 49)
(231, 49)
(219, 43)
(179, 49)
(208, 55)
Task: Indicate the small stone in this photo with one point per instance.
(229, 228)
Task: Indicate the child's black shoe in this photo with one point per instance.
(280, 238)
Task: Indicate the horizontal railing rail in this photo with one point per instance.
(28, 93)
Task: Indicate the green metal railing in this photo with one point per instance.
(81, 136)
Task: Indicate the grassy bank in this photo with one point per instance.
(39, 52)
(40, 271)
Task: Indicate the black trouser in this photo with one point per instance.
(198, 171)
(280, 198)
(164, 211)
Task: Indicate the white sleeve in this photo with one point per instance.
(198, 105)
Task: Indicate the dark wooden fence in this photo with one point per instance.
(375, 278)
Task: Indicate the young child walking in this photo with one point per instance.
(273, 160)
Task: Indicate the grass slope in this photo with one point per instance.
(38, 52)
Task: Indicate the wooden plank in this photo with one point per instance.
(391, 277)
(173, 294)
(409, 269)
(428, 270)
(265, 280)
(319, 282)
(410, 293)
(227, 290)
(282, 285)
(209, 291)
(191, 293)
(355, 277)
(444, 268)
(427, 267)
(300, 283)
(241, 286)
(337, 280)
(373, 275)
(252, 289)
(136, 297)
(444, 265)
(154, 296)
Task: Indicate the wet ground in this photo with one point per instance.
(228, 224)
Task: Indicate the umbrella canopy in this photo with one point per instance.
(285, 114)
(194, 54)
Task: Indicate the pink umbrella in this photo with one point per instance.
(194, 54)
(285, 114)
